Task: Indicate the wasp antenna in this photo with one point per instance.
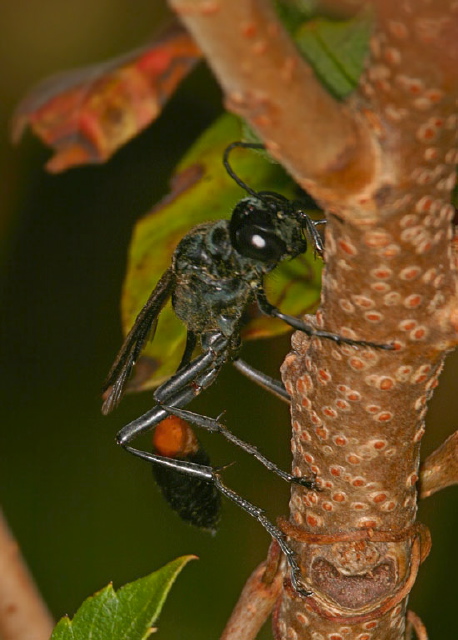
(231, 172)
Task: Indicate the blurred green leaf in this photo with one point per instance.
(336, 49)
(126, 614)
(293, 13)
(201, 190)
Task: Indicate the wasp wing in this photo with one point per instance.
(144, 328)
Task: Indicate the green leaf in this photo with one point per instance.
(336, 49)
(127, 614)
(293, 13)
(202, 191)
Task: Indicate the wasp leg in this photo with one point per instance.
(214, 426)
(257, 513)
(311, 226)
(179, 390)
(191, 341)
(211, 475)
(158, 413)
(270, 384)
(215, 355)
(272, 311)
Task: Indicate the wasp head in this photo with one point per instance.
(264, 229)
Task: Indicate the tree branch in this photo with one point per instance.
(359, 416)
(23, 614)
(325, 147)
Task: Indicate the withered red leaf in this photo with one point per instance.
(86, 114)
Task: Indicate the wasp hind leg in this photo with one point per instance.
(275, 387)
(209, 474)
(214, 426)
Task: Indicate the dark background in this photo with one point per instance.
(84, 512)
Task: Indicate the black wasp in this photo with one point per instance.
(217, 269)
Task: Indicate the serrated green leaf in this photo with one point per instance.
(202, 191)
(126, 614)
(336, 49)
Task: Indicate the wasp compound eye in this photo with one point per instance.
(253, 234)
(257, 243)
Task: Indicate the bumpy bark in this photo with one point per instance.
(359, 415)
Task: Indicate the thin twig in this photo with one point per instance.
(440, 469)
(257, 599)
(414, 623)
